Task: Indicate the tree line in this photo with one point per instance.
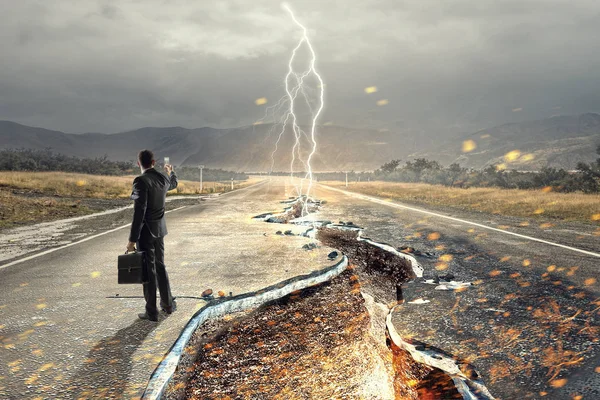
(46, 160)
(586, 177)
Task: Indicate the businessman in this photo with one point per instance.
(149, 228)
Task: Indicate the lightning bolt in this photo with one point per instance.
(313, 128)
(294, 86)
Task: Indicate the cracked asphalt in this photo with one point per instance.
(68, 330)
(529, 324)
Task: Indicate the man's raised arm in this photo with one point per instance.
(139, 195)
(172, 177)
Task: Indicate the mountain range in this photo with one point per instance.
(560, 141)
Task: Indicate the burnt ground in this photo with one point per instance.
(313, 343)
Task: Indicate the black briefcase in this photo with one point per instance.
(132, 268)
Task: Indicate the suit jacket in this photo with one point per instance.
(149, 194)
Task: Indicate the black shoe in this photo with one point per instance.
(171, 309)
(145, 316)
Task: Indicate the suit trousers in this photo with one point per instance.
(157, 272)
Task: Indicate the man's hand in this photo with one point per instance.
(168, 168)
(130, 246)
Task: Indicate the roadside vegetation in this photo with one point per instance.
(585, 179)
(48, 161)
(63, 184)
(511, 202)
(39, 186)
(30, 197)
(549, 193)
(17, 210)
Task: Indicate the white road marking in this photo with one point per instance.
(73, 243)
(397, 205)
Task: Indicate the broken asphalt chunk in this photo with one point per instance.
(447, 277)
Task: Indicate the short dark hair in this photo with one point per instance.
(145, 157)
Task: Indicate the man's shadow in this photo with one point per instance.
(105, 372)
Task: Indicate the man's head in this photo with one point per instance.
(146, 159)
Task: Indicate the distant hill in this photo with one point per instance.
(559, 141)
(240, 149)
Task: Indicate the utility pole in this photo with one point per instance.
(201, 168)
(231, 183)
(346, 179)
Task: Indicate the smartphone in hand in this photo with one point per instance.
(167, 160)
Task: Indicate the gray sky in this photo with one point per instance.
(444, 66)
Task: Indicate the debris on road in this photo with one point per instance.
(310, 246)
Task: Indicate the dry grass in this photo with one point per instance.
(192, 187)
(29, 197)
(512, 202)
(95, 186)
(17, 210)
(67, 185)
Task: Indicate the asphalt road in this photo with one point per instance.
(530, 322)
(65, 333)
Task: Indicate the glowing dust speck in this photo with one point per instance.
(446, 257)
(590, 281)
(260, 101)
(468, 146)
(433, 236)
(512, 156)
(528, 157)
(558, 383)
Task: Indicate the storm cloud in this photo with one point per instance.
(444, 67)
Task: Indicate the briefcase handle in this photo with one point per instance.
(134, 251)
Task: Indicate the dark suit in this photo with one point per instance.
(148, 229)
